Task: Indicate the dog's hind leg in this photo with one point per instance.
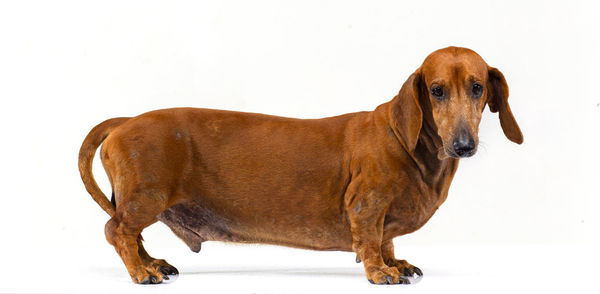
(162, 265)
(124, 228)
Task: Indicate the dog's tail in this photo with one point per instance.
(86, 157)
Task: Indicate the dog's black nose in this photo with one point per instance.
(464, 145)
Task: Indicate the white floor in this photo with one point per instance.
(221, 268)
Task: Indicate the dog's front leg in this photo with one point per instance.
(366, 214)
(405, 268)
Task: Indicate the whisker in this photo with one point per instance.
(483, 145)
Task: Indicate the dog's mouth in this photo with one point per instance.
(464, 155)
(449, 153)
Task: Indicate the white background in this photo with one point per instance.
(518, 216)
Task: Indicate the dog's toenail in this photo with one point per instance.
(153, 280)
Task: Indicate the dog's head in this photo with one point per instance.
(448, 93)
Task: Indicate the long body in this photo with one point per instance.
(351, 182)
(245, 177)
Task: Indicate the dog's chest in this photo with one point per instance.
(416, 204)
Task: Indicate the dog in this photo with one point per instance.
(351, 182)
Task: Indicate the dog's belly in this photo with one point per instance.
(194, 223)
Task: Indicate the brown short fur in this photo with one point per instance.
(351, 182)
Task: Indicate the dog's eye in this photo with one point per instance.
(477, 90)
(438, 92)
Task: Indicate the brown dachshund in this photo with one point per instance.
(351, 182)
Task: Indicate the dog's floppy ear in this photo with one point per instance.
(407, 113)
(498, 102)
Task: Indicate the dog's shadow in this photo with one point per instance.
(305, 271)
(335, 272)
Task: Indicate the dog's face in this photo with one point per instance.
(450, 91)
(455, 83)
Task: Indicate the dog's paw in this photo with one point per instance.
(405, 268)
(158, 271)
(145, 277)
(385, 275)
(164, 267)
